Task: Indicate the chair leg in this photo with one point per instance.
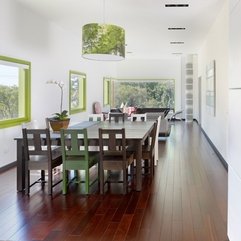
(132, 169)
(76, 174)
(50, 181)
(65, 181)
(152, 159)
(87, 181)
(42, 178)
(27, 182)
(146, 166)
(124, 181)
(101, 181)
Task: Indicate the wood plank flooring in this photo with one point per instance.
(186, 201)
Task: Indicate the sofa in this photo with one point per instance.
(153, 110)
(153, 114)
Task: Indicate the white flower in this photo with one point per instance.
(61, 85)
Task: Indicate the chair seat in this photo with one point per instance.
(38, 163)
(80, 161)
(116, 162)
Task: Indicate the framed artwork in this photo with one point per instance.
(107, 91)
(211, 88)
(77, 92)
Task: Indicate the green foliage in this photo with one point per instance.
(145, 93)
(61, 116)
(8, 102)
(104, 39)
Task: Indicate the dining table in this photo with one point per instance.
(136, 134)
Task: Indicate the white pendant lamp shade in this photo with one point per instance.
(105, 42)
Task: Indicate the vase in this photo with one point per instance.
(56, 125)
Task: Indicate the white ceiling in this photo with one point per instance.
(146, 22)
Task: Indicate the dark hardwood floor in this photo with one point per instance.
(186, 201)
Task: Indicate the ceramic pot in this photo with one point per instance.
(56, 125)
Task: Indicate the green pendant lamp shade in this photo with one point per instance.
(103, 42)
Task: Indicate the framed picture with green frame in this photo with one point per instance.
(77, 92)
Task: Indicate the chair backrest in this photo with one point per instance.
(96, 117)
(153, 136)
(138, 117)
(116, 116)
(158, 127)
(157, 137)
(112, 142)
(36, 142)
(74, 142)
(152, 116)
(174, 115)
(47, 123)
(30, 125)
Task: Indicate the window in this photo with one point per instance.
(77, 95)
(141, 93)
(14, 91)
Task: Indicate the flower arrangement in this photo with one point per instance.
(63, 114)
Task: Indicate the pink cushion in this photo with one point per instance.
(97, 108)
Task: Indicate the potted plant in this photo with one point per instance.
(60, 119)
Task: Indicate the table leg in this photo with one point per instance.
(138, 166)
(20, 166)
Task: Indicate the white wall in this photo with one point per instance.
(166, 68)
(234, 143)
(215, 48)
(52, 52)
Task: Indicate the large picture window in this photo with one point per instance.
(14, 91)
(141, 93)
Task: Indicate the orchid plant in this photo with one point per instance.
(63, 114)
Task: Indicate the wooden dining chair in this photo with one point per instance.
(74, 143)
(114, 156)
(138, 117)
(148, 151)
(97, 109)
(96, 117)
(39, 154)
(116, 117)
(30, 125)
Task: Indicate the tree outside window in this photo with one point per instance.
(143, 93)
(14, 91)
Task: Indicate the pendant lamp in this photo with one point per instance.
(104, 42)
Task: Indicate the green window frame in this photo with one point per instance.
(139, 92)
(107, 91)
(21, 102)
(77, 92)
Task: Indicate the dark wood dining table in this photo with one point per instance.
(136, 134)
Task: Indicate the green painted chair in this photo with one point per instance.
(75, 155)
